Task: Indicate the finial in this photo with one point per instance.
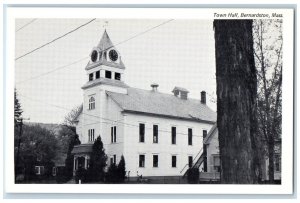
(105, 25)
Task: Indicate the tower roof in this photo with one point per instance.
(105, 42)
(104, 45)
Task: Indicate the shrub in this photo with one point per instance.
(81, 174)
(116, 174)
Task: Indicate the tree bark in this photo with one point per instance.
(236, 101)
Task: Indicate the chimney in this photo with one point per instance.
(203, 97)
(154, 87)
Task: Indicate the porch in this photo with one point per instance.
(81, 156)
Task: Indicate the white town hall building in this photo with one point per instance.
(158, 134)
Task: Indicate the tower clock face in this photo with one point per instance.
(113, 55)
(94, 56)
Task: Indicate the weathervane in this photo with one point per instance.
(105, 25)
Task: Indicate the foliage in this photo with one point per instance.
(193, 175)
(38, 147)
(112, 174)
(97, 161)
(81, 174)
(69, 139)
(268, 59)
(69, 162)
(17, 132)
(17, 109)
(116, 174)
(121, 169)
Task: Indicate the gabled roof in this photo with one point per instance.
(182, 89)
(160, 104)
(105, 42)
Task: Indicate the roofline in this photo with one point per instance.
(101, 81)
(210, 133)
(167, 116)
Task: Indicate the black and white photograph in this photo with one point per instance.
(151, 101)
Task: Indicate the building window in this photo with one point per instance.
(91, 75)
(277, 164)
(91, 134)
(54, 171)
(39, 170)
(174, 160)
(173, 135)
(190, 136)
(115, 159)
(117, 76)
(190, 161)
(155, 133)
(155, 161)
(88, 162)
(142, 161)
(98, 74)
(113, 134)
(216, 162)
(142, 132)
(204, 134)
(91, 103)
(108, 74)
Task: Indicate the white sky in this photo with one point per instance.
(179, 53)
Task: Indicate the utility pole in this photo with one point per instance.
(19, 144)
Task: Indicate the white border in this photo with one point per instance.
(136, 13)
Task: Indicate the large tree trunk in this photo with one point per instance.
(236, 101)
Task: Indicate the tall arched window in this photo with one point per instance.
(92, 103)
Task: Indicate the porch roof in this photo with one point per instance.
(82, 149)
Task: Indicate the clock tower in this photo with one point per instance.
(105, 71)
(105, 63)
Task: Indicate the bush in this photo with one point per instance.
(112, 174)
(116, 174)
(81, 174)
(193, 175)
(61, 175)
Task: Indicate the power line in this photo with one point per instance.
(26, 25)
(61, 67)
(54, 39)
(144, 32)
(53, 70)
(107, 120)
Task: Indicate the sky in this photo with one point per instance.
(177, 53)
